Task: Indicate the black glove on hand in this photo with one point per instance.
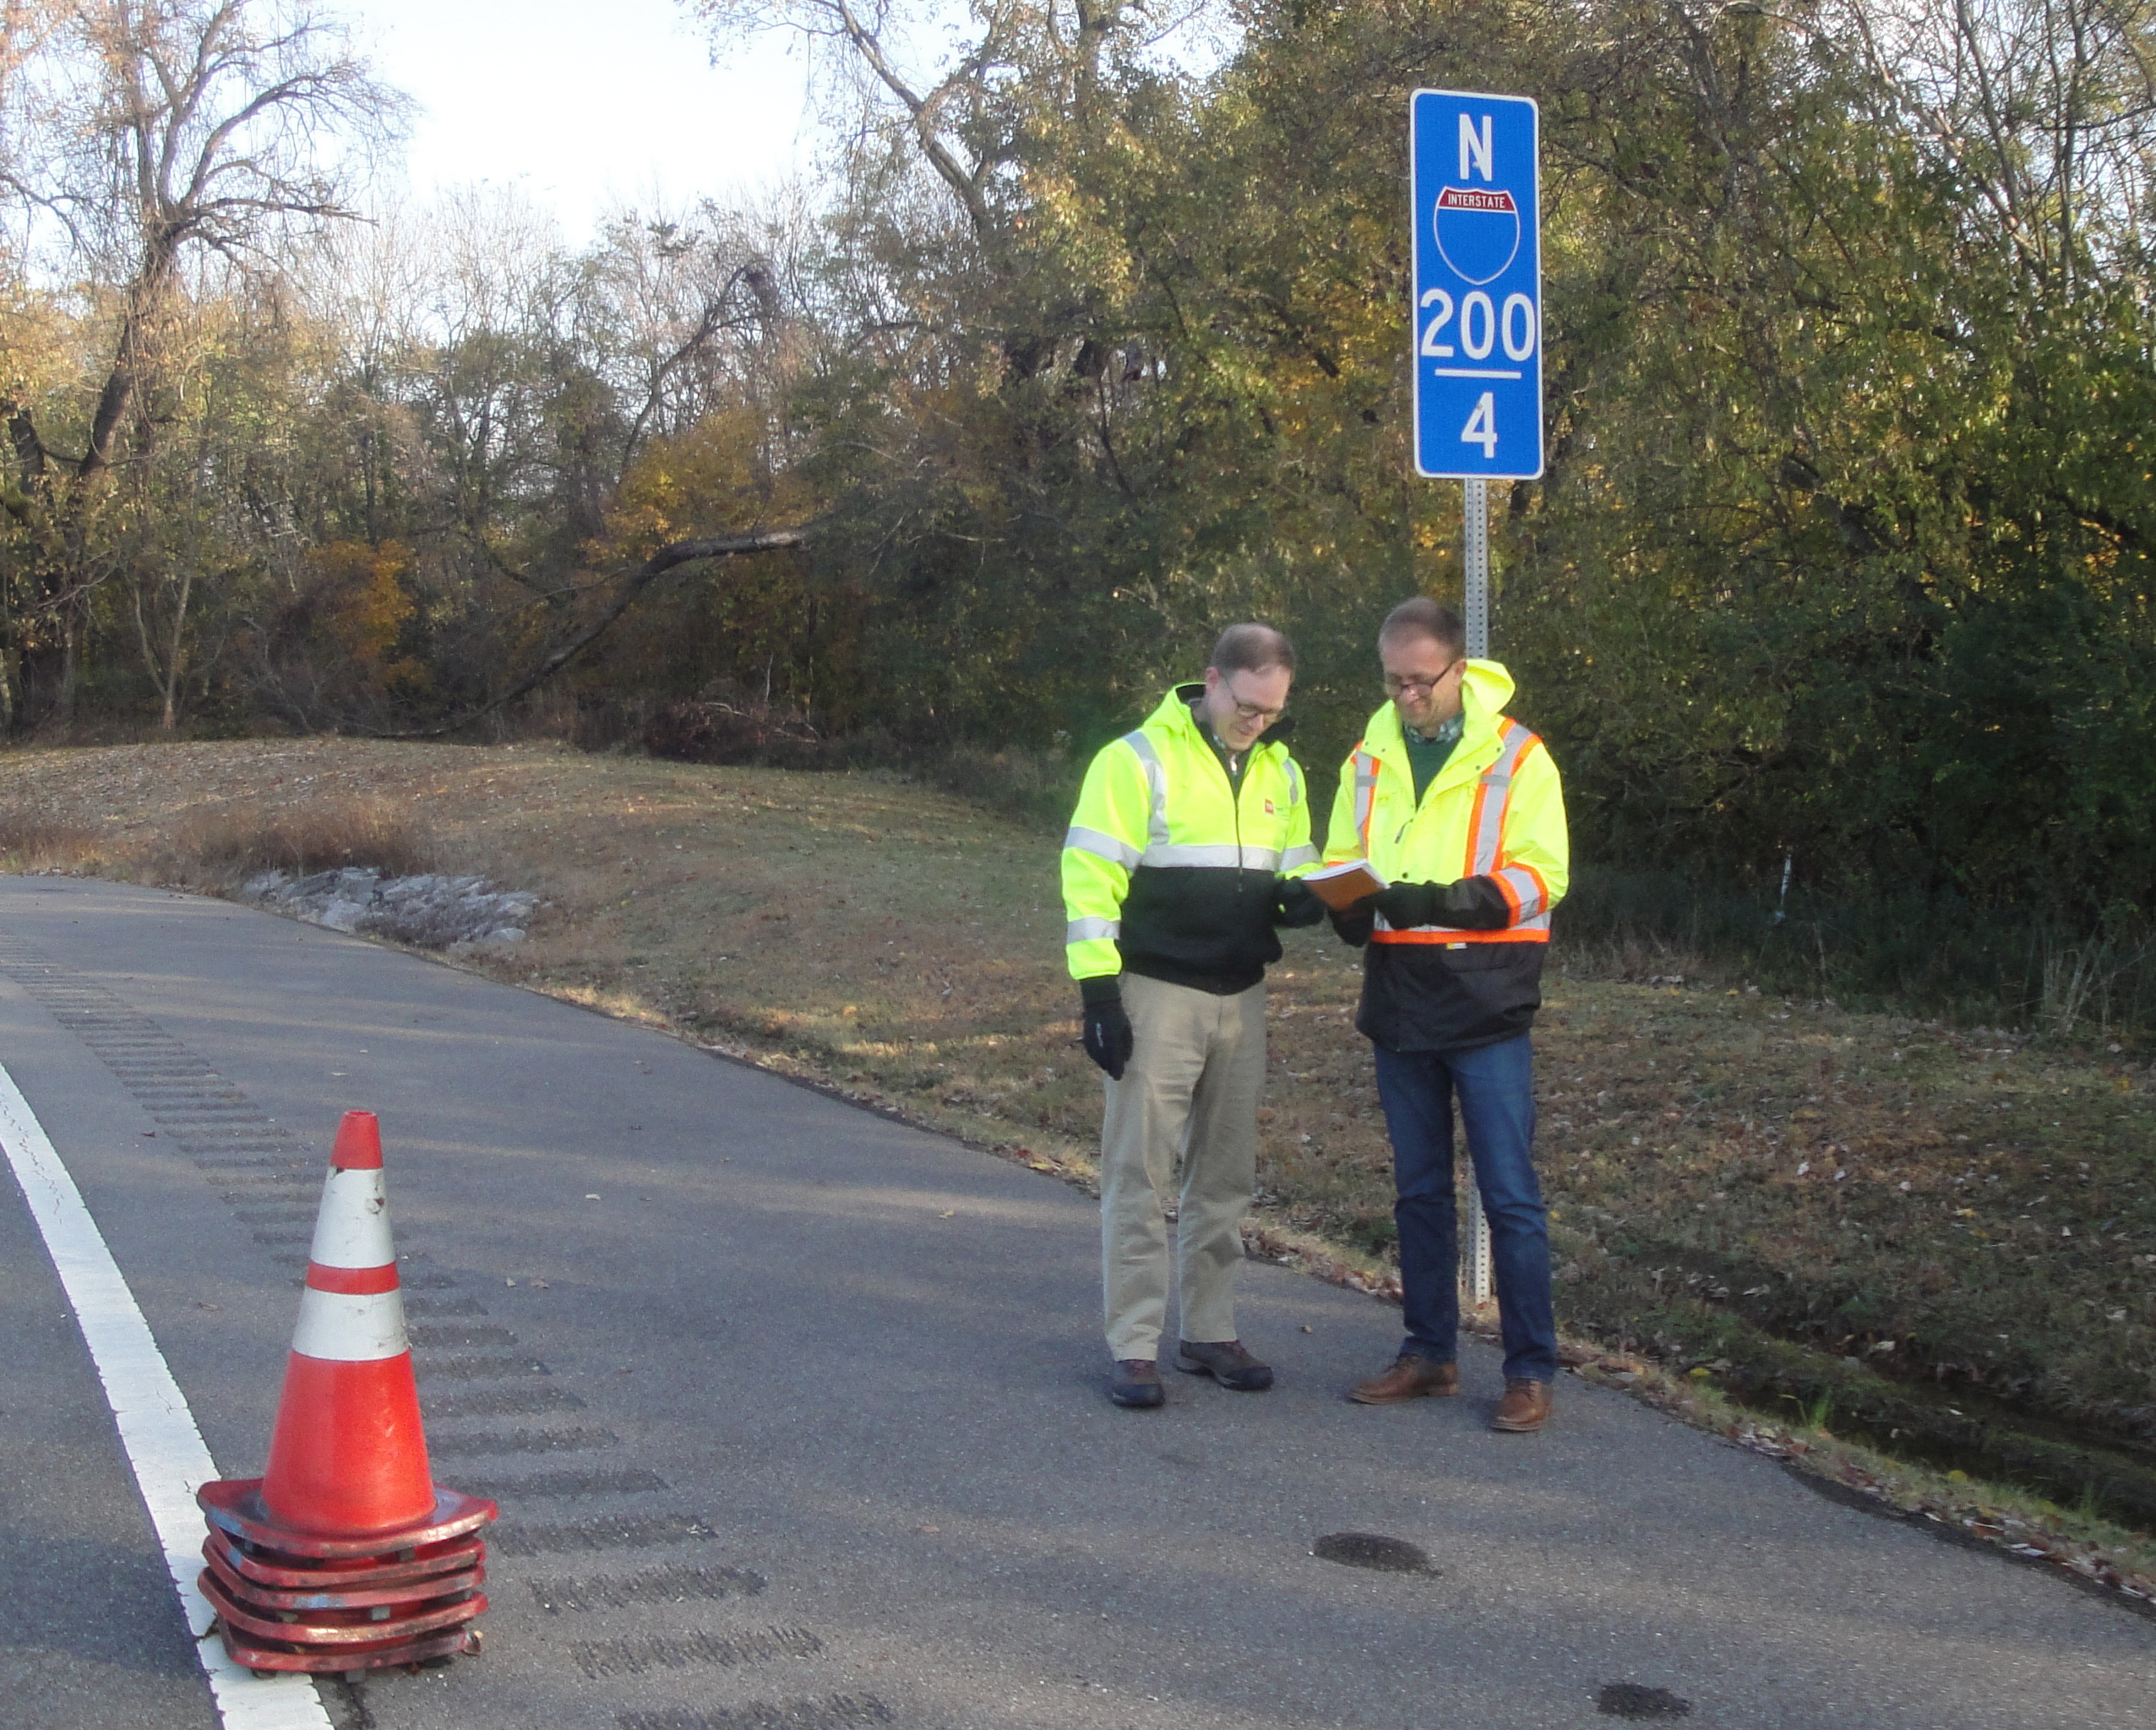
(1295, 903)
(1472, 903)
(1109, 1040)
(1354, 927)
(1406, 905)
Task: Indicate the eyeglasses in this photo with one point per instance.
(1400, 686)
(1248, 713)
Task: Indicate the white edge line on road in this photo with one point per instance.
(164, 1446)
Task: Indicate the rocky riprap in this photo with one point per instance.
(430, 910)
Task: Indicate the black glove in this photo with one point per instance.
(1295, 903)
(1406, 905)
(1109, 1040)
(1354, 927)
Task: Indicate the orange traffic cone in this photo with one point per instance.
(343, 1555)
(348, 1457)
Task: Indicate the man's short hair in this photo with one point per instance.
(1423, 617)
(1252, 648)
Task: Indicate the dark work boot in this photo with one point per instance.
(1135, 1383)
(1225, 1362)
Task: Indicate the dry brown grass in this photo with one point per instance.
(224, 845)
(1993, 1220)
(30, 843)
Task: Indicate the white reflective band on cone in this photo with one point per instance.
(352, 1229)
(346, 1327)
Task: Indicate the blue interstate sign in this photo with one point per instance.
(1478, 286)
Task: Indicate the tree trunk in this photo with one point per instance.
(63, 707)
(175, 660)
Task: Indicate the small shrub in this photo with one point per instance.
(230, 843)
(39, 843)
(722, 724)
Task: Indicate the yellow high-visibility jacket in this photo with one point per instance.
(1491, 823)
(1170, 871)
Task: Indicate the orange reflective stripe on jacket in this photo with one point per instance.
(1452, 939)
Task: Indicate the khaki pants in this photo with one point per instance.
(1191, 1089)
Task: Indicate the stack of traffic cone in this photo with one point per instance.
(343, 1555)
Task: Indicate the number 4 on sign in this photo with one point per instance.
(1482, 426)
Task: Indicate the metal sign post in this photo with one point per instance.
(1475, 565)
(1476, 243)
(1477, 1276)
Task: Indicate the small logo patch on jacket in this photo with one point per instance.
(1268, 808)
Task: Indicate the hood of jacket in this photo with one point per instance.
(1485, 688)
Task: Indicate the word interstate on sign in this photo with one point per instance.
(1477, 253)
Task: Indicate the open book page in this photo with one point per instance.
(1341, 886)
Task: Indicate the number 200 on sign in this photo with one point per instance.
(1481, 328)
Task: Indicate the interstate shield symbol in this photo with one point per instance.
(1477, 231)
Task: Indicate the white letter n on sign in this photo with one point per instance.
(1474, 150)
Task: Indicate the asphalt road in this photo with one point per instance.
(795, 1417)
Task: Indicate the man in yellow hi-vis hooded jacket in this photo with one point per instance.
(1180, 862)
(1458, 808)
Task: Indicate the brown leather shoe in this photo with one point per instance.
(1524, 1409)
(1412, 1377)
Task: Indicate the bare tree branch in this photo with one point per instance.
(666, 559)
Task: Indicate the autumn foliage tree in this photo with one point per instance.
(152, 138)
(1095, 339)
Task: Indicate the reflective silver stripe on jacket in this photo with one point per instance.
(1214, 858)
(1365, 792)
(1527, 887)
(1156, 779)
(1092, 929)
(1294, 782)
(1492, 798)
(1296, 858)
(1107, 847)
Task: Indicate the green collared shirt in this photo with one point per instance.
(1426, 756)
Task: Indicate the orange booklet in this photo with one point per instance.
(1341, 886)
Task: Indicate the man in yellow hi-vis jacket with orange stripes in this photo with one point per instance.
(1180, 862)
(1458, 808)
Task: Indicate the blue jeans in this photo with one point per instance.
(1496, 1086)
